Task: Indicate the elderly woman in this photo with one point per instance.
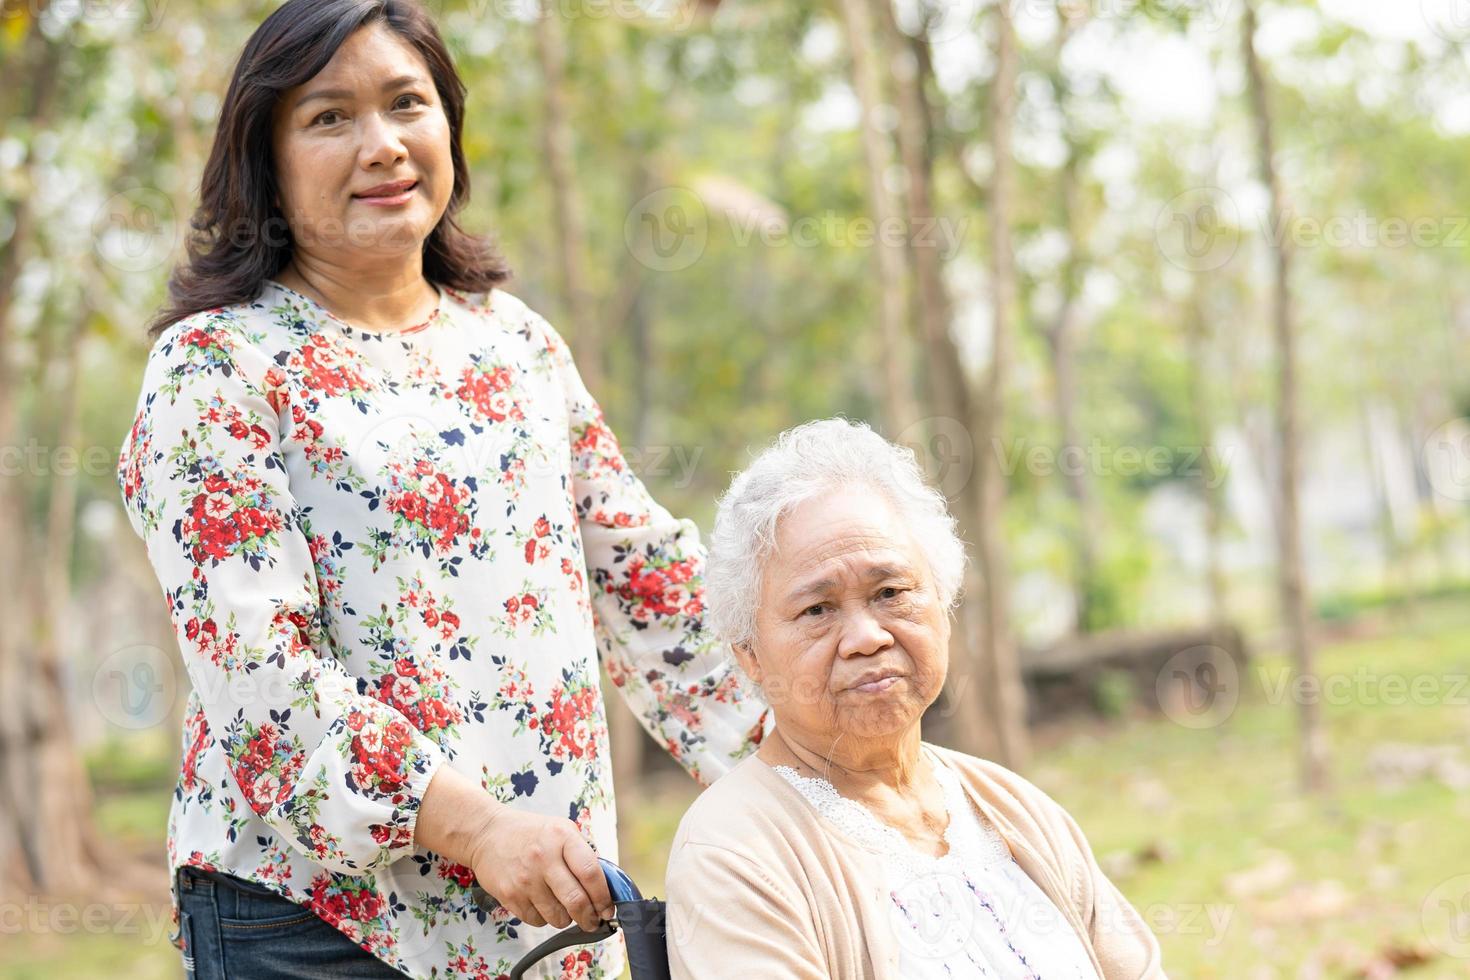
(847, 847)
(395, 538)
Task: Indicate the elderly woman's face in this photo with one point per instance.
(851, 638)
(372, 116)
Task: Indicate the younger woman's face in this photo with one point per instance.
(372, 116)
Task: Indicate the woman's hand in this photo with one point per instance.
(542, 870)
(538, 867)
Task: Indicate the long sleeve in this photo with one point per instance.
(645, 570)
(1122, 940)
(727, 919)
(338, 774)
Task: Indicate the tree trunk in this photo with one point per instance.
(948, 393)
(898, 401)
(1061, 347)
(72, 858)
(1197, 344)
(629, 742)
(945, 377)
(46, 842)
(1382, 508)
(20, 853)
(571, 224)
(1001, 691)
(1292, 575)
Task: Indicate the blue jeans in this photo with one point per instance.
(237, 929)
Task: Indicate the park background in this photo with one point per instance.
(1168, 296)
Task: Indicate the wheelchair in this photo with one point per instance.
(641, 920)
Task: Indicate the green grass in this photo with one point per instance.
(1232, 802)
(1365, 858)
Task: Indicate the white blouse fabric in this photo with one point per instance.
(383, 552)
(971, 912)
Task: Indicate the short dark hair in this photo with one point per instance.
(238, 237)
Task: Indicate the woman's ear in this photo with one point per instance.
(745, 656)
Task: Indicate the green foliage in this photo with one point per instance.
(1114, 693)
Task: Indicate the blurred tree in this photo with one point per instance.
(47, 842)
(899, 410)
(1000, 694)
(1290, 566)
(1061, 341)
(570, 225)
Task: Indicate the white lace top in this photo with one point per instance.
(972, 912)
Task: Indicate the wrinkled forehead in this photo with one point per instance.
(852, 532)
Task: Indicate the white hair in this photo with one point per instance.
(805, 462)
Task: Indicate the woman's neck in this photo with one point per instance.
(858, 769)
(377, 302)
(890, 778)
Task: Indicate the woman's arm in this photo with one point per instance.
(538, 867)
(646, 572)
(338, 775)
(726, 918)
(1122, 940)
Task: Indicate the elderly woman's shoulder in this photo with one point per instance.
(743, 805)
(1001, 785)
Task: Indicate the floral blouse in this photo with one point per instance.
(387, 552)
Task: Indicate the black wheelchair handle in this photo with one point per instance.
(641, 921)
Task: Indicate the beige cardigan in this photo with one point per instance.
(761, 887)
